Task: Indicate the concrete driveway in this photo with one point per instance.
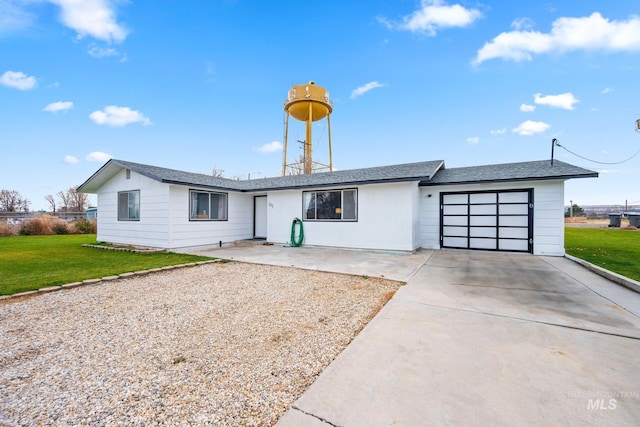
(479, 338)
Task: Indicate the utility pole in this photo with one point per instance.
(570, 208)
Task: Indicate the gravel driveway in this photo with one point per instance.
(216, 344)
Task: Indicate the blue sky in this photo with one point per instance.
(196, 85)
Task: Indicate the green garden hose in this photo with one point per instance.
(297, 243)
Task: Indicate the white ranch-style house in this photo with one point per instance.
(502, 207)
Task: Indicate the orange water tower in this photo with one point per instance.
(306, 103)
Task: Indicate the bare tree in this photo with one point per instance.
(52, 202)
(12, 201)
(218, 173)
(72, 201)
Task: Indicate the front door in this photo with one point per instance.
(260, 217)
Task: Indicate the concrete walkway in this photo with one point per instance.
(480, 338)
(399, 266)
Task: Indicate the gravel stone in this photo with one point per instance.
(228, 344)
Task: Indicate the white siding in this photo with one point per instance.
(153, 227)
(164, 216)
(387, 219)
(186, 233)
(548, 213)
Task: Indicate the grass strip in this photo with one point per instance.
(33, 262)
(616, 250)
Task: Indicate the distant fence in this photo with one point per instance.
(21, 216)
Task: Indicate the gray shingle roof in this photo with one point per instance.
(524, 171)
(428, 173)
(394, 173)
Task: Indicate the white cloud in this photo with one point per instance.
(529, 127)
(498, 131)
(434, 15)
(527, 108)
(271, 147)
(18, 80)
(564, 100)
(98, 156)
(519, 24)
(106, 52)
(94, 18)
(607, 90)
(473, 140)
(567, 34)
(113, 115)
(54, 107)
(366, 88)
(72, 160)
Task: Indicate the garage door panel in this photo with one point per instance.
(455, 242)
(475, 198)
(455, 210)
(482, 232)
(514, 221)
(483, 209)
(493, 220)
(483, 221)
(449, 199)
(514, 209)
(455, 220)
(513, 233)
(455, 231)
(514, 197)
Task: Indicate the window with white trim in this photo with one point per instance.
(331, 205)
(207, 206)
(129, 205)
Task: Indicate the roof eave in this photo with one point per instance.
(337, 184)
(491, 181)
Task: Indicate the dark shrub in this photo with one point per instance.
(85, 227)
(60, 228)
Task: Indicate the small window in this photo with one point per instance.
(335, 205)
(128, 174)
(129, 205)
(208, 206)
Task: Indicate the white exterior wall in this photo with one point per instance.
(164, 216)
(184, 232)
(153, 227)
(548, 213)
(386, 219)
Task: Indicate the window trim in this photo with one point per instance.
(118, 205)
(226, 206)
(342, 191)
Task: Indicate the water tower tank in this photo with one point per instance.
(307, 103)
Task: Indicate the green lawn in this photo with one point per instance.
(614, 249)
(33, 262)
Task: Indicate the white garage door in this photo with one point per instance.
(489, 220)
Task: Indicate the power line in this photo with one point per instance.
(594, 161)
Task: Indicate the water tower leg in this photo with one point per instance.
(329, 133)
(284, 143)
(308, 162)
